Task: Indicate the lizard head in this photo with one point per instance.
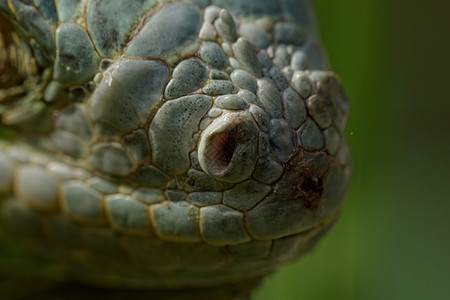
(215, 130)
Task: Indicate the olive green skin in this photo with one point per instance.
(167, 145)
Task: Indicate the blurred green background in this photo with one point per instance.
(393, 239)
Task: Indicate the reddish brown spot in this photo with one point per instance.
(312, 189)
(301, 181)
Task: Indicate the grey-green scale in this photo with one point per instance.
(168, 144)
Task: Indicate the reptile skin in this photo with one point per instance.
(167, 144)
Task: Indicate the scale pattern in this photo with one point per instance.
(169, 143)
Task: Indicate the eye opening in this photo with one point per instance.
(222, 150)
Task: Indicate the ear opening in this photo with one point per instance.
(17, 64)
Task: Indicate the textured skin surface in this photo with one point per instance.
(168, 144)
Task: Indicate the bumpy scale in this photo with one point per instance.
(168, 144)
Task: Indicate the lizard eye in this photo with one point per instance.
(228, 147)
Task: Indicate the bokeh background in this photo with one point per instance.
(393, 238)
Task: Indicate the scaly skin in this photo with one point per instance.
(167, 145)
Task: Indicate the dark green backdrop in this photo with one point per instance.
(393, 239)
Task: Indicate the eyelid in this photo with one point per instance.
(228, 147)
